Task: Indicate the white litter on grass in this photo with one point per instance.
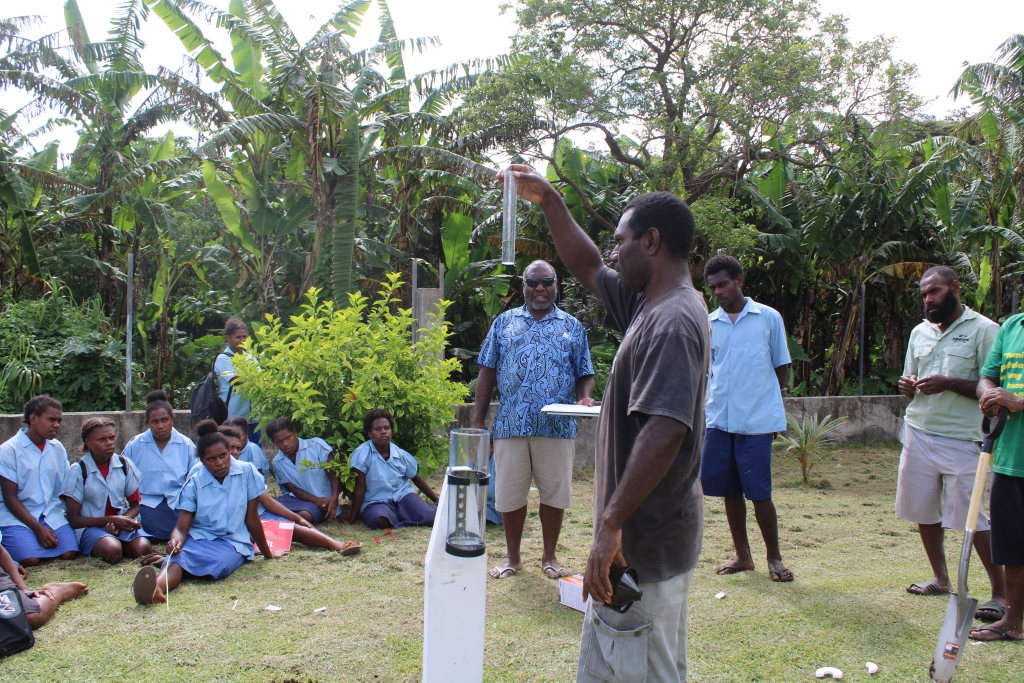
(719, 595)
(978, 642)
(829, 671)
(872, 667)
(320, 609)
(272, 608)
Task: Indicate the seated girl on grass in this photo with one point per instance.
(101, 492)
(270, 509)
(39, 605)
(383, 497)
(163, 457)
(251, 451)
(217, 521)
(32, 468)
(309, 491)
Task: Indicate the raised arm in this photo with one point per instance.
(579, 254)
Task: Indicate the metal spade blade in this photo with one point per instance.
(952, 639)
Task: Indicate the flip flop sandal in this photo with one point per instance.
(350, 548)
(153, 559)
(726, 570)
(777, 576)
(926, 588)
(559, 573)
(990, 611)
(504, 573)
(1003, 635)
(144, 587)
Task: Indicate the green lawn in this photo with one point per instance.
(852, 558)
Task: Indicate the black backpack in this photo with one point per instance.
(15, 633)
(205, 402)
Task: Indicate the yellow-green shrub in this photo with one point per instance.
(329, 367)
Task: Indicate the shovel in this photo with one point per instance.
(960, 612)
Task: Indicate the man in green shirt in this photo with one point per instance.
(1002, 385)
(942, 430)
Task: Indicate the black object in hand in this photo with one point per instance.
(625, 588)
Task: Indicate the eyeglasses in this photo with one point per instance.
(533, 282)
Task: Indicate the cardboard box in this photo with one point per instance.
(279, 536)
(570, 592)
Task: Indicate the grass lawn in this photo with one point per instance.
(852, 558)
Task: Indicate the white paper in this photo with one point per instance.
(571, 409)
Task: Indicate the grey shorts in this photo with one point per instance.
(521, 459)
(936, 480)
(29, 605)
(647, 643)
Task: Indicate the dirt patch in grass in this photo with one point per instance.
(852, 558)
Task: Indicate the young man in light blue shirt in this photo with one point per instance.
(749, 376)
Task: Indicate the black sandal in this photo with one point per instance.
(927, 588)
(991, 611)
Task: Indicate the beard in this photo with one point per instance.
(539, 305)
(941, 313)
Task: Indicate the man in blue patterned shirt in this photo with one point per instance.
(537, 355)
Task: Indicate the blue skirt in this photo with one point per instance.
(410, 511)
(297, 506)
(216, 559)
(158, 522)
(92, 534)
(22, 544)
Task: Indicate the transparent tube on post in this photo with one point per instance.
(467, 481)
(510, 197)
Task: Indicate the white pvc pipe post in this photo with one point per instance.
(454, 607)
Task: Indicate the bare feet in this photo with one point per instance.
(778, 571)
(553, 570)
(505, 569)
(735, 566)
(66, 591)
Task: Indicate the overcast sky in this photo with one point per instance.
(938, 36)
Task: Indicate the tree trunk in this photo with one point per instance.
(844, 343)
(997, 281)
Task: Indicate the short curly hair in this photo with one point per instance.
(722, 262)
(37, 405)
(669, 214)
(373, 416)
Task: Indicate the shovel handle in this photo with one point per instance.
(978, 494)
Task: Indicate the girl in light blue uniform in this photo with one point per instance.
(101, 492)
(270, 510)
(251, 451)
(217, 520)
(231, 391)
(310, 491)
(384, 496)
(163, 457)
(32, 468)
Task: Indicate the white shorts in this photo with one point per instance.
(936, 480)
(520, 459)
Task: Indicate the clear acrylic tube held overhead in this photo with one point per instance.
(510, 197)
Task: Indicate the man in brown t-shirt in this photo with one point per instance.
(648, 501)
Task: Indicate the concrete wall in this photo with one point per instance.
(871, 419)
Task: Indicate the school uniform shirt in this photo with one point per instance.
(102, 495)
(39, 476)
(312, 480)
(744, 396)
(386, 480)
(238, 406)
(254, 454)
(220, 507)
(163, 473)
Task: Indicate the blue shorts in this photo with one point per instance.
(216, 559)
(734, 464)
(92, 534)
(410, 511)
(22, 544)
(158, 522)
(255, 435)
(270, 516)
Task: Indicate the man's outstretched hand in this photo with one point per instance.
(532, 186)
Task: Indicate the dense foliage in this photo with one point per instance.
(322, 167)
(328, 367)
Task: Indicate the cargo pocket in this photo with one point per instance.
(618, 645)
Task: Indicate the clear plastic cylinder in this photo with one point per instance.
(467, 492)
(510, 204)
